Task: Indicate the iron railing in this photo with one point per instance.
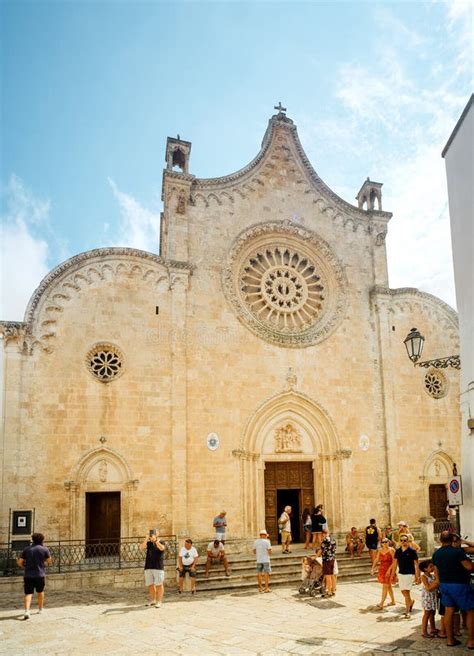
(82, 555)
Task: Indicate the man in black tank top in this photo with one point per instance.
(373, 536)
(154, 567)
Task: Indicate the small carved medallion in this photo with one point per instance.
(287, 440)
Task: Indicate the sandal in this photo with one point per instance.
(427, 635)
(456, 643)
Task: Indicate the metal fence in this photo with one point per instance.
(79, 555)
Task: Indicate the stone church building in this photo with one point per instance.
(256, 361)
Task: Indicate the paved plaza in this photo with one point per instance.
(241, 623)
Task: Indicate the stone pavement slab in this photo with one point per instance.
(277, 624)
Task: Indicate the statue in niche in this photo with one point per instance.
(103, 471)
(287, 440)
(437, 467)
(181, 207)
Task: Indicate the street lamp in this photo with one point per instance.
(414, 342)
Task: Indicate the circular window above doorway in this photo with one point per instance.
(285, 284)
(105, 362)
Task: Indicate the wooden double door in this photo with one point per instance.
(288, 484)
(102, 522)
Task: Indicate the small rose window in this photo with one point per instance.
(436, 384)
(105, 362)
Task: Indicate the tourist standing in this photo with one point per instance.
(33, 559)
(154, 567)
(453, 569)
(187, 561)
(262, 548)
(307, 524)
(319, 522)
(220, 526)
(406, 560)
(429, 598)
(284, 524)
(328, 555)
(384, 558)
(373, 535)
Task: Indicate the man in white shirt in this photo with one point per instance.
(187, 559)
(262, 548)
(284, 524)
(216, 555)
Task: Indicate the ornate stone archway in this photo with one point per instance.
(313, 438)
(100, 470)
(437, 470)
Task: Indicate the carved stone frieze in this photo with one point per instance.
(288, 439)
(285, 283)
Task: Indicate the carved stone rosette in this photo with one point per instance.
(285, 284)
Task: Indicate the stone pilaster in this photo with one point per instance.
(179, 285)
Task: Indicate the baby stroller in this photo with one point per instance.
(311, 576)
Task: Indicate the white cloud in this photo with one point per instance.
(139, 226)
(23, 255)
(409, 118)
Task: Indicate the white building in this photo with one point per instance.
(458, 155)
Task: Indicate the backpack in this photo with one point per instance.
(281, 523)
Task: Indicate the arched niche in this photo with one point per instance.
(312, 438)
(100, 470)
(437, 470)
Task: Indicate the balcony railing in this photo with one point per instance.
(79, 555)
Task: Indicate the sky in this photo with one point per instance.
(91, 90)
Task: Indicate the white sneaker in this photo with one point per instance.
(26, 616)
(150, 603)
(158, 604)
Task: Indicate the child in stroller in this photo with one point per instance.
(311, 576)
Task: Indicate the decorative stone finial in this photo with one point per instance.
(102, 439)
(291, 379)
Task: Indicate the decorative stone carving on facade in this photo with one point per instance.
(287, 440)
(285, 284)
(103, 471)
(435, 383)
(280, 141)
(105, 362)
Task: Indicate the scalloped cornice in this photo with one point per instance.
(82, 269)
(410, 299)
(249, 173)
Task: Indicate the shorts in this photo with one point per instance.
(264, 567)
(371, 547)
(405, 581)
(32, 583)
(154, 577)
(285, 537)
(307, 528)
(328, 567)
(220, 536)
(187, 568)
(457, 594)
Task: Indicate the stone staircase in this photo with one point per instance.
(286, 569)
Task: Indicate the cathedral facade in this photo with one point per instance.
(257, 361)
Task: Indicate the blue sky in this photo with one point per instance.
(91, 90)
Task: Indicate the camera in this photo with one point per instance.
(152, 532)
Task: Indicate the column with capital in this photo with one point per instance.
(179, 280)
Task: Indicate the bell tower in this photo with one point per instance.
(368, 194)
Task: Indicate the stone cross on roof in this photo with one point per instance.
(280, 108)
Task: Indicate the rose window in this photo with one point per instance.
(105, 362)
(436, 384)
(282, 288)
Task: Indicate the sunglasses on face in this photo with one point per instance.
(387, 541)
(405, 540)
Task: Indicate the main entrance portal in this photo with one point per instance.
(287, 484)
